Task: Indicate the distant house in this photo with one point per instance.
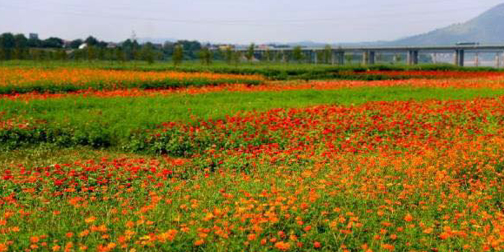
(226, 47)
(83, 46)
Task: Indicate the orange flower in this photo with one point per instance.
(251, 237)
(444, 236)
(388, 247)
(408, 218)
(90, 219)
(428, 230)
(284, 246)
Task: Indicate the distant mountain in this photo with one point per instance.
(488, 28)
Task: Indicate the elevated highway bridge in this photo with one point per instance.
(369, 54)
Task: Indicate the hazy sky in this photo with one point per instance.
(237, 21)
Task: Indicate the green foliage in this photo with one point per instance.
(91, 53)
(297, 54)
(119, 55)
(327, 55)
(267, 55)
(237, 57)
(147, 53)
(250, 52)
(206, 56)
(228, 55)
(178, 55)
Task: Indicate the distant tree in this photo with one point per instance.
(8, 44)
(76, 43)
(168, 48)
(101, 53)
(326, 55)
(205, 56)
(178, 55)
(21, 47)
(297, 54)
(119, 55)
(91, 41)
(102, 44)
(130, 48)
(91, 53)
(191, 48)
(53, 42)
(34, 43)
(147, 53)
(2, 51)
(237, 57)
(250, 52)
(320, 57)
(228, 55)
(267, 55)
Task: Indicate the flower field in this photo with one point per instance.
(395, 165)
(62, 80)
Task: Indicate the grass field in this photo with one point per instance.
(406, 164)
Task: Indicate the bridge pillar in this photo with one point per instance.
(315, 57)
(340, 58)
(412, 57)
(365, 57)
(372, 57)
(476, 59)
(459, 57)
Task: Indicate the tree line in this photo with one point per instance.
(19, 47)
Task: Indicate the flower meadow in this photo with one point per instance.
(395, 175)
(434, 79)
(63, 80)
